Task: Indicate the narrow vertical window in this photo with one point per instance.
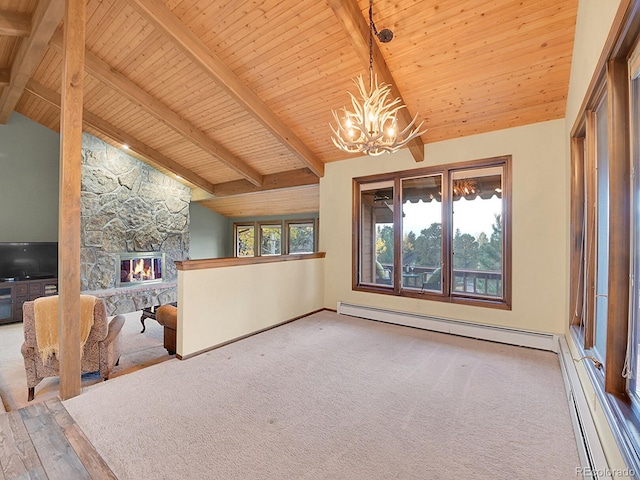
(376, 234)
(478, 245)
(602, 231)
(632, 358)
(422, 233)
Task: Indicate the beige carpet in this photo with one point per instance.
(331, 397)
(139, 350)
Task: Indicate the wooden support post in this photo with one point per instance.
(70, 175)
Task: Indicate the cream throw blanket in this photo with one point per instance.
(45, 311)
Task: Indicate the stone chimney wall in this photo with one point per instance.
(128, 206)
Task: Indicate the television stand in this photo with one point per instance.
(13, 294)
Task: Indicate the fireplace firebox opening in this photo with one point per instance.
(140, 268)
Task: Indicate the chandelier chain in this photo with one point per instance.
(371, 27)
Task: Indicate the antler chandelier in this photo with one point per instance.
(372, 127)
(464, 187)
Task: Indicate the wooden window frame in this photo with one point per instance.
(284, 225)
(612, 75)
(447, 234)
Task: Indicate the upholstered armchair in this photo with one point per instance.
(100, 354)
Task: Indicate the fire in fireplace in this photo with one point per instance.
(138, 268)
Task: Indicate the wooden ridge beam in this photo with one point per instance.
(119, 136)
(104, 73)
(357, 29)
(275, 181)
(157, 13)
(46, 18)
(15, 24)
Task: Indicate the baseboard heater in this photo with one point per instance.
(593, 461)
(511, 336)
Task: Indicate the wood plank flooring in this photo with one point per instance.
(42, 441)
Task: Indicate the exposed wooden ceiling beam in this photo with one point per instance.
(46, 18)
(274, 181)
(101, 70)
(15, 24)
(119, 136)
(4, 77)
(157, 13)
(357, 29)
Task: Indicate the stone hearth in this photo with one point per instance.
(127, 206)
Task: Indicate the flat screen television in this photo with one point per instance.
(22, 261)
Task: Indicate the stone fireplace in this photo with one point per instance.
(129, 210)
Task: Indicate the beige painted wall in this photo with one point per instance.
(539, 234)
(221, 304)
(595, 18)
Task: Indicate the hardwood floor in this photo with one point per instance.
(42, 441)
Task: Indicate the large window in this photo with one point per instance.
(439, 233)
(275, 237)
(605, 233)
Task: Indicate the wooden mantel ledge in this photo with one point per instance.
(185, 265)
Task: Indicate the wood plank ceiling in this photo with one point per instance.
(236, 97)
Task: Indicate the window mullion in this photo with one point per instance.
(619, 245)
(447, 233)
(507, 191)
(397, 238)
(590, 244)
